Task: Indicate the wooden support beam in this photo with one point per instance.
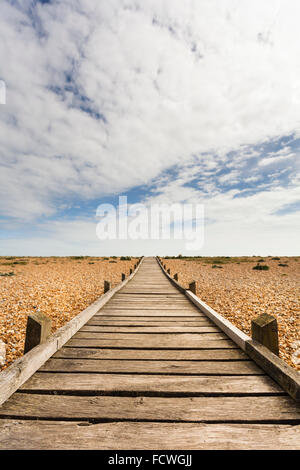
(264, 330)
(193, 287)
(176, 276)
(37, 331)
(123, 277)
(106, 286)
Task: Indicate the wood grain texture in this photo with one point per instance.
(157, 384)
(153, 354)
(140, 322)
(161, 371)
(157, 343)
(151, 337)
(153, 367)
(16, 434)
(184, 409)
(148, 329)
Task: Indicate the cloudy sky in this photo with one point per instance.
(165, 101)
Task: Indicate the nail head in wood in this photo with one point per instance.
(265, 331)
(38, 329)
(192, 287)
(106, 286)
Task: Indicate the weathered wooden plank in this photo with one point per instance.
(149, 318)
(153, 367)
(159, 343)
(154, 311)
(284, 374)
(148, 312)
(154, 324)
(149, 337)
(149, 329)
(158, 354)
(153, 384)
(183, 409)
(59, 435)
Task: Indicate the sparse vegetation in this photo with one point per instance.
(261, 267)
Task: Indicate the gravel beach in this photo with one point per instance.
(240, 293)
(58, 287)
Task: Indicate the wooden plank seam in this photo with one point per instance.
(24, 367)
(282, 373)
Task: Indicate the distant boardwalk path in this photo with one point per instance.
(149, 371)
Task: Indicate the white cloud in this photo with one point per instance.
(174, 83)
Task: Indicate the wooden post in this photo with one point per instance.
(264, 330)
(176, 276)
(106, 286)
(2, 353)
(123, 277)
(193, 287)
(38, 329)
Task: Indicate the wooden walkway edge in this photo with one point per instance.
(149, 370)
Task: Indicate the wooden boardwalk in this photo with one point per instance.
(149, 371)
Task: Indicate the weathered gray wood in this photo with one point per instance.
(129, 319)
(154, 329)
(153, 367)
(157, 342)
(142, 323)
(152, 337)
(264, 330)
(38, 329)
(287, 377)
(183, 409)
(60, 435)
(151, 312)
(157, 384)
(158, 354)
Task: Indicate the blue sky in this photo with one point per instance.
(163, 101)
